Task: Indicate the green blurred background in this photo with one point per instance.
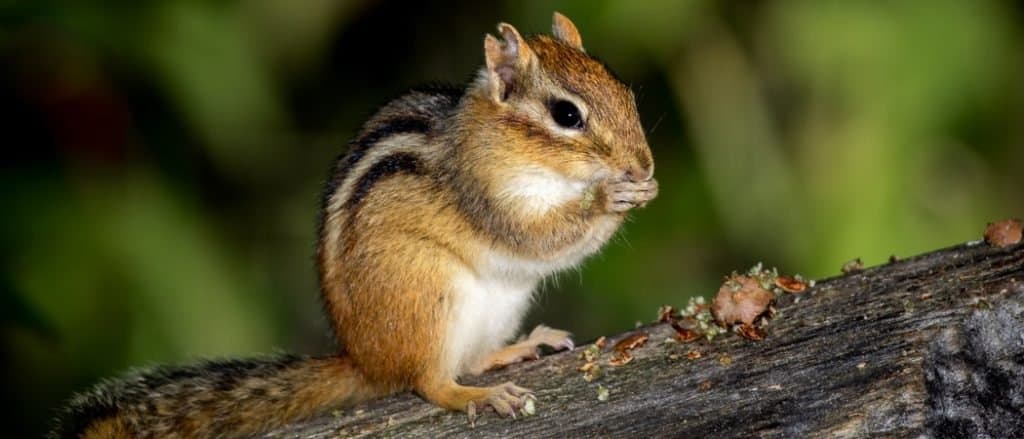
(164, 158)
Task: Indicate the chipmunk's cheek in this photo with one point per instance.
(537, 189)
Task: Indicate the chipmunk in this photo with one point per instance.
(436, 227)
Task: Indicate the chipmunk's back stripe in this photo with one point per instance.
(385, 167)
(389, 128)
(360, 146)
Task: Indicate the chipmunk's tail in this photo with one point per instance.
(231, 398)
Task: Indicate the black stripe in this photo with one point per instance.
(364, 143)
(357, 149)
(387, 166)
(416, 115)
(391, 127)
(412, 113)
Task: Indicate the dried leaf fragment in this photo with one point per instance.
(853, 266)
(791, 284)
(529, 405)
(602, 393)
(601, 342)
(623, 348)
(589, 195)
(684, 335)
(632, 341)
(591, 371)
(693, 355)
(751, 332)
(725, 360)
(666, 314)
(704, 385)
(695, 307)
(621, 358)
(741, 299)
(1004, 233)
(590, 353)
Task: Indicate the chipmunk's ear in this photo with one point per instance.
(507, 61)
(563, 29)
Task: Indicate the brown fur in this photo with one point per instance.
(395, 256)
(416, 203)
(231, 398)
(109, 428)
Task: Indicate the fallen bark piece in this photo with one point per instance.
(1004, 233)
(741, 299)
(634, 341)
(791, 284)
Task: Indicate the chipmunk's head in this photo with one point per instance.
(560, 107)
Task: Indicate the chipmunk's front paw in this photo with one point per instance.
(527, 348)
(556, 338)
(624, 195)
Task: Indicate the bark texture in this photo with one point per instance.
(931, 346)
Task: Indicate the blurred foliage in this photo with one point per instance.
(165, 157)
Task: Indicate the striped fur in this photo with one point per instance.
(442, 234)
(224, 398)
(417, 112)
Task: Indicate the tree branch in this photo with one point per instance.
(930, 345)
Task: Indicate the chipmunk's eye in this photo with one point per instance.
(566, 114)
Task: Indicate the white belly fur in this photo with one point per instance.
(490, 301)
(486, 314)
